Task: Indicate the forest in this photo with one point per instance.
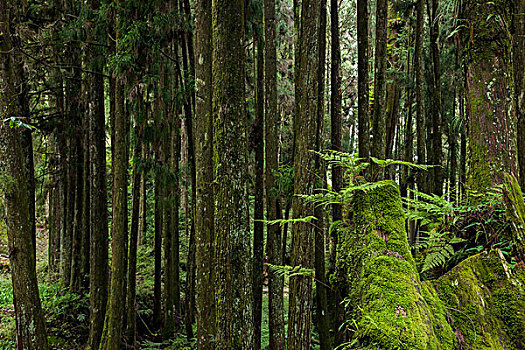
(262, 174)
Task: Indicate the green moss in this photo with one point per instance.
(485, 305)
(388, 303)
(479, 304)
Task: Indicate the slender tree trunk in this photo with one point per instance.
(271, 131)
(258, 226)
(420, 108)
(119, 245)
(233, 269)
(518, 58)
(362, 79)
(98, 244)
(204, 203)
(134, 228)
(305, 126)
(336, 145)
(322, 320)
(30, 325)
(378, 120)
(436, 157)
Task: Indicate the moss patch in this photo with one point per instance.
(479, 304)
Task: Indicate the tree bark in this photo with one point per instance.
(271, 134)
(233, 269)
(518, 58)
(305, 128)
(258, 216)
(30, 325)
(379, 110)
(362, 80)
(98, 244)
(420, 108)
(485, 47)
(204, 202)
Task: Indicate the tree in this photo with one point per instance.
(204, 202)
(98, 266)
(518, 57)
(232, 231)
(485, 48)
(271, 125)
(420, 108)
(362, 77)
(305, 127)
(30, 326)
(380, 62)
(113, 326)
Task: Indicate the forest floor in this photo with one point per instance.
(67, 313)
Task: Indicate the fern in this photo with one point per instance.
(438, 247)
(281, 222)
(290, 271)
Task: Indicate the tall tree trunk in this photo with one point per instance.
(336, 145)
(119, 244)
(305, 127)
(204, 202)
(271, 131)
(134, 228)
(98, 260)
(378, 120)
(30, 325)
(436, 157)
(233, 269)
(258, 216)
(362, 79)
(485, 51)
(322, 320)
(420, 108)
(518, 58)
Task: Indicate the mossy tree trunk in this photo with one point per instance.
(30, 326)
(232, 224)
(419, 71)
(258, 216)
(379, 110)
(271, 134)
(485, 48)
(113, 326)
(305, 129)
(362, 79)
(98, 264)
(518, 59)
(204, 201)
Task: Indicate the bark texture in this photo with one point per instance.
(305, 127)
(271, 135)
(204, 202)
(30, 326)
(233, 283)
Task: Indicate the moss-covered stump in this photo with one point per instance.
(387, 305)
(485, 302)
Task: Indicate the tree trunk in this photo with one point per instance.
(258, 216)
(233, 269)
(485, 46)
(98, 260)
(271, 134)
(305, 127)
(113, 326)
(436, 156)
(518, 58)
(420, 108)
(378, 120)
(204, 202)
(30, 325)
(362, 79)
